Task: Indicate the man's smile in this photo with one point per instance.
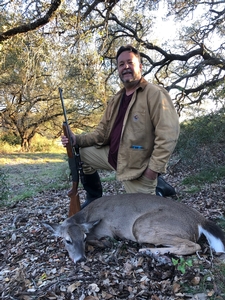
(127, 72)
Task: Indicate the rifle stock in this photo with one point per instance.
(73, 192)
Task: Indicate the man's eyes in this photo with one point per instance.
(129, 62)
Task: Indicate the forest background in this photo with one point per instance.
(72, 44)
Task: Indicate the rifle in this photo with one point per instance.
(75, 165)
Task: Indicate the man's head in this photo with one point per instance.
(129, 65)
(128, 48)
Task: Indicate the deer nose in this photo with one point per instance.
(82, 258)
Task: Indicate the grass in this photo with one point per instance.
(205, 176)
(27, 174)
(212, 281)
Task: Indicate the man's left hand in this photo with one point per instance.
(150, 174)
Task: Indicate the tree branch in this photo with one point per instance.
(32, 26)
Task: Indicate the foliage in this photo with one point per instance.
(201, 143)
(189, 63)
(181, 264)
(40, 144)
(7, 148)
(46, 145)
(11, 139)
(76, 50)
(221, 223)
(29, 98)
(214, 278)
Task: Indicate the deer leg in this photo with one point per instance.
(178, 246)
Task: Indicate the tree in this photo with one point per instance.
(32, 70)
(28, 91)
(43, 15)
(192, 68)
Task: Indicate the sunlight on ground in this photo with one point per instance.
(34, 158)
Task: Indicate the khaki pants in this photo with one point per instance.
(97, 159)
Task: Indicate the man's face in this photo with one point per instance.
(129, 67)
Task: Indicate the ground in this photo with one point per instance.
(35, 265)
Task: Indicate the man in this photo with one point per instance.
(136, 135)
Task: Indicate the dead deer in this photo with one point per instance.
(141, 218)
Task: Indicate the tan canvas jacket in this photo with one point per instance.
(151, 123)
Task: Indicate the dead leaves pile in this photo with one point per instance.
(35, 265)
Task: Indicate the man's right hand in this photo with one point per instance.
(65, 140)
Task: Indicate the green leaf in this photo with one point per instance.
(175, 261)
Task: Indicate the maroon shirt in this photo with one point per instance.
(114, 139)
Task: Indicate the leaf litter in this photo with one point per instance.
(35, 264)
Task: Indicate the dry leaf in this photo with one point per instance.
(73, 286)
(176, 287)
(196, 280)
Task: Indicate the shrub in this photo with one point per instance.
(202, 140)
(11, 139)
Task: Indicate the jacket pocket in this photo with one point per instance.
(137, 157)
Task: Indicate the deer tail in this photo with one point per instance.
(214, 235)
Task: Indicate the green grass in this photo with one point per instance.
(212, 280)
(217, 283)
(205, 176)
(28, 174)
(109, 177)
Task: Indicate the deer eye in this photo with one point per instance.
(68, 242)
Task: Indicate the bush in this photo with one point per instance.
(45, 145)
(6, 148)
(202, 141)
(11, 139)
(38, 144)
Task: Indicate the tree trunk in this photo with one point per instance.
(25, 144)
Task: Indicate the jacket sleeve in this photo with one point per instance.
(99, 136)
(166, 123)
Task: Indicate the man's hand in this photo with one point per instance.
(150, 174)
(65, 140)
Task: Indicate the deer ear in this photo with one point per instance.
(86, 227)
(54, 228)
